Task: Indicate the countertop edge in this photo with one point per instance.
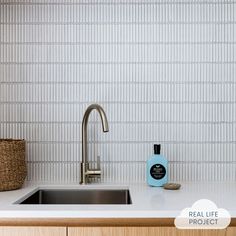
(73, 222)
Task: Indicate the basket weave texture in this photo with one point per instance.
(13, 169)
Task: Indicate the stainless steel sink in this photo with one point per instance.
(79, 196)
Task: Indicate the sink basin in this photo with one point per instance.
(79, 196)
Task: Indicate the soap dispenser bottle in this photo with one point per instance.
(157, 168)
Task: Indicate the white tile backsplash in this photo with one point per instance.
(164, 71)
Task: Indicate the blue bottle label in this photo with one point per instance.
(158, 171)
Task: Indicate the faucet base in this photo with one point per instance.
(87, 173)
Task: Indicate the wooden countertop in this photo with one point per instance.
(91, 222)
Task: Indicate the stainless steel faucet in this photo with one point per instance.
(86, 172)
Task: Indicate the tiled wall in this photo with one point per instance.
(164, 71)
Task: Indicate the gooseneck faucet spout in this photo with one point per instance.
(86, 172)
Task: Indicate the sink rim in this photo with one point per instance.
(75, 188)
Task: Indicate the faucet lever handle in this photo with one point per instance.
(98, 162)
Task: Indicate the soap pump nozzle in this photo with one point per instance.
(157, 149)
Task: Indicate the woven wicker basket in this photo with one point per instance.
(12, 164)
